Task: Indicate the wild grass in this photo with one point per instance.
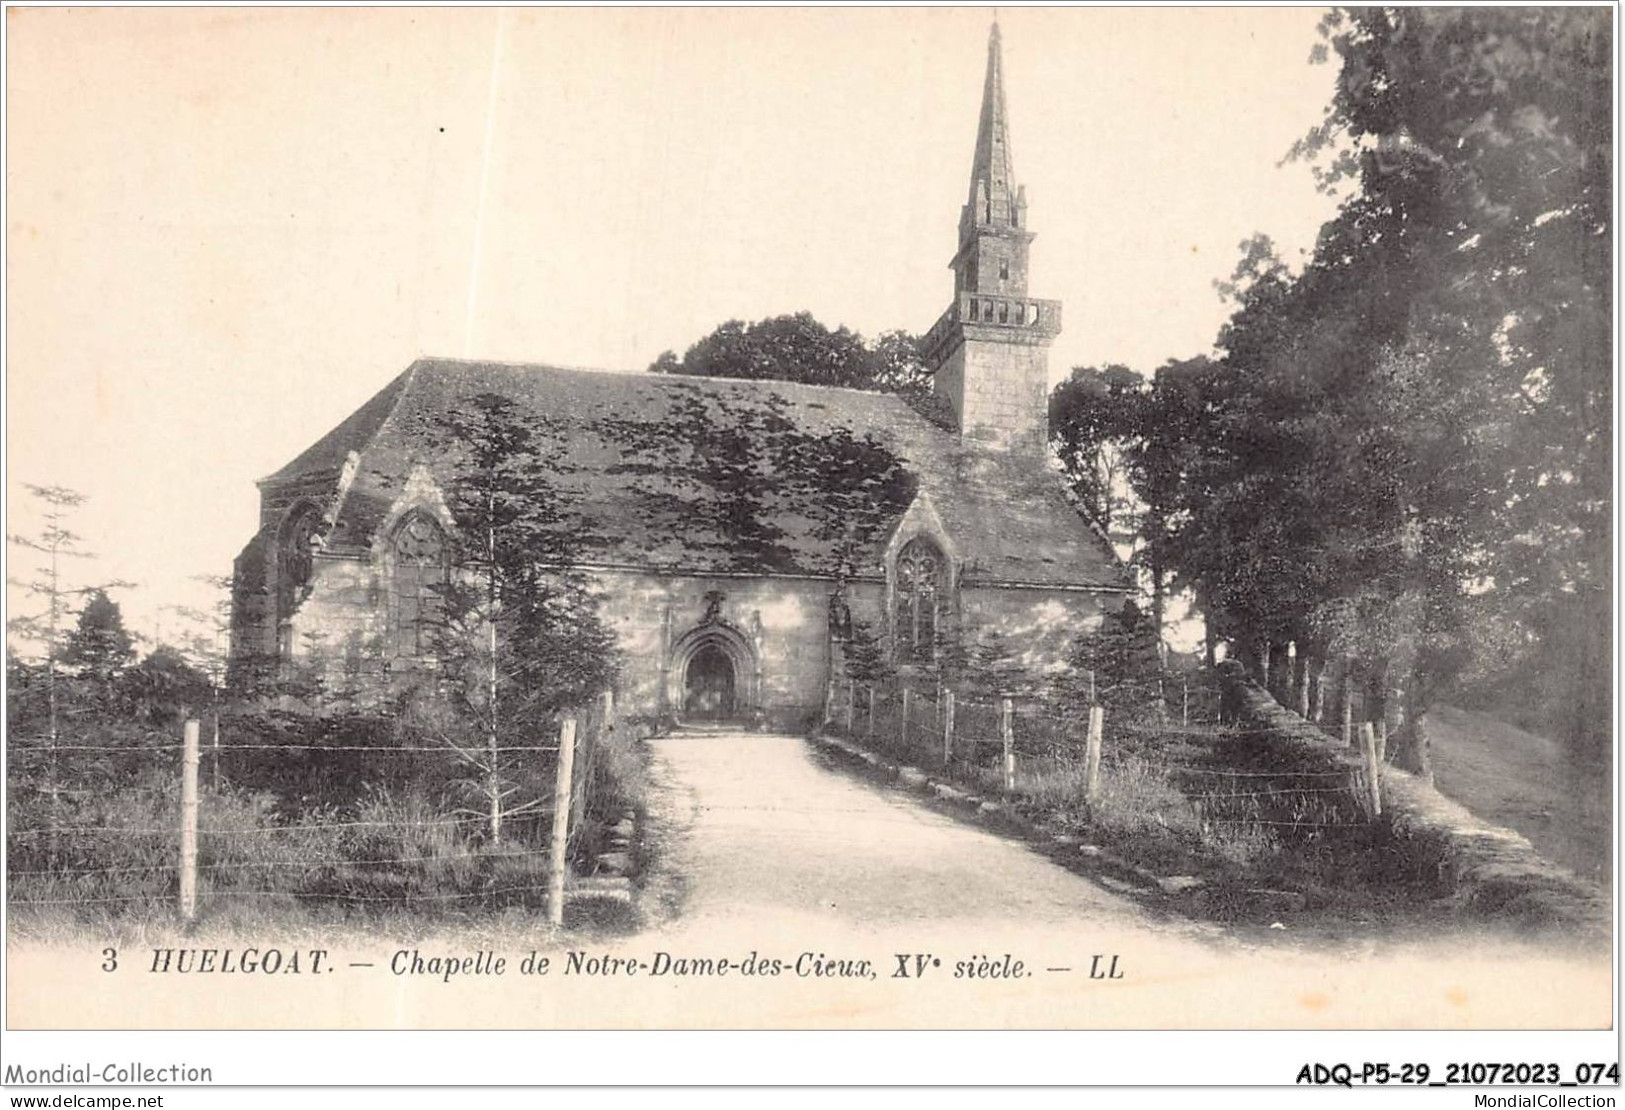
(106, 855)
(1213, 803)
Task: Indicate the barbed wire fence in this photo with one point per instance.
(1018, 745)
(137, 829)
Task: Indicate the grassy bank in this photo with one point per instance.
(401, 851)
(1249, 831)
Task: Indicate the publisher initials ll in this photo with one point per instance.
(1108, 972)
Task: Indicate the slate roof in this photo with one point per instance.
(711, 475)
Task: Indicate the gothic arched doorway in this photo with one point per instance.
(708, 686)
(712, 675)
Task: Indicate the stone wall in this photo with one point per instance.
(784, 622)
(1039, 625)
(339, 631)
(1491, 872)
(1004, 392)
(775, 628)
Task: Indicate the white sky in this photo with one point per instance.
(228, 228)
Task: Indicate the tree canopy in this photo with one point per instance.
(1407, 442)
(795, 347)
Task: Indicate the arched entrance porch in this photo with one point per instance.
(713, 676)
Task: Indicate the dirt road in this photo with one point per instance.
(768, 830)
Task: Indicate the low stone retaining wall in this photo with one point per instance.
(614, 867)
(1491, 872)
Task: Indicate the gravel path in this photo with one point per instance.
(765, 828)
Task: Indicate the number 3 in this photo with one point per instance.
(109, 959)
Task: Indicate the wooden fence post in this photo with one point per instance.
(189, 761)
(1091, 687)
(1007, 733)
(1185, 703)
(561, 822)
(907, 697)
(1373, 785)
(1091, 758)
(1346, 689)
(947, 727)
(609, 709)
(851, 698)
(871, 689)
(1382, 739)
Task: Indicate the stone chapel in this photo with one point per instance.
(735, 529)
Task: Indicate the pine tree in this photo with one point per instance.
(46, 629)
(866, 660)
(994, 669)
(950, 658)
(57, 543)
(100, 647)
(1115, 665)
(520, 639)
(867, 663)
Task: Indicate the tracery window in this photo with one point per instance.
(295, 558)
(419, 573)
(920, 580)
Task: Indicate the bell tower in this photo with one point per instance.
(989, 352)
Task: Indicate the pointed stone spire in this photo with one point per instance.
(988, 353)
(992, 189)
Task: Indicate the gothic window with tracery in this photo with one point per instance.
(296, 558)
(419, 574)
(919, 600)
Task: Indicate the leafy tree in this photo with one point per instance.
(798, 348)
(165, 687)
(1093, 415)
(895, 365)
(1409, 439)
(1126, 448)
(1411, 434)
(1481, 143)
